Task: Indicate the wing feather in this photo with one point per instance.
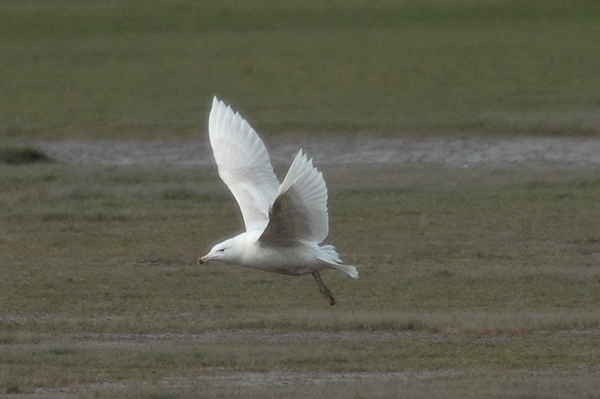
(243, 164)
(299, 212)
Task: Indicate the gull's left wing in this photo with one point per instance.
(299, 212)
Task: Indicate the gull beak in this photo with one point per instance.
(203, 259)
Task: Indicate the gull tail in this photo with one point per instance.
(349, 270)
(329, 255)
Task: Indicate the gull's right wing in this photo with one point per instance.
(243, 164)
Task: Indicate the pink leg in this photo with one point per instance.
(322, 289)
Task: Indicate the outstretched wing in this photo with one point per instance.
(299, 212)
(243, 164)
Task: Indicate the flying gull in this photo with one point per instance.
(285, 223)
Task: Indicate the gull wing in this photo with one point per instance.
(243, 164)
(299, 212)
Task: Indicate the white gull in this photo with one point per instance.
(285, 223)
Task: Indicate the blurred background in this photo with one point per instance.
(141, 70)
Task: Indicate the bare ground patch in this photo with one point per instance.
(341, 150)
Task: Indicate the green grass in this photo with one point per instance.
(125, 69)
(476, 274)
(468, 245)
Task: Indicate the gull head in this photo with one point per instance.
(222, 252)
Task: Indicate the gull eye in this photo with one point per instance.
(221, 250)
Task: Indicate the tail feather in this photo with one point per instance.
(330, 255)
(349, 270)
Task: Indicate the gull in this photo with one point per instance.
(285, 223)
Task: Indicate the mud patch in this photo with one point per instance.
(278, 378)
(500, 152)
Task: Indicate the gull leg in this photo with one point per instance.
(322, 289)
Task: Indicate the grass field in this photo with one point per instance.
(473, 283)
(126, 69)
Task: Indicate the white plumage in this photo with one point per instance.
(284, 223)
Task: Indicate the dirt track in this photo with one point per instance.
(532, 152)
